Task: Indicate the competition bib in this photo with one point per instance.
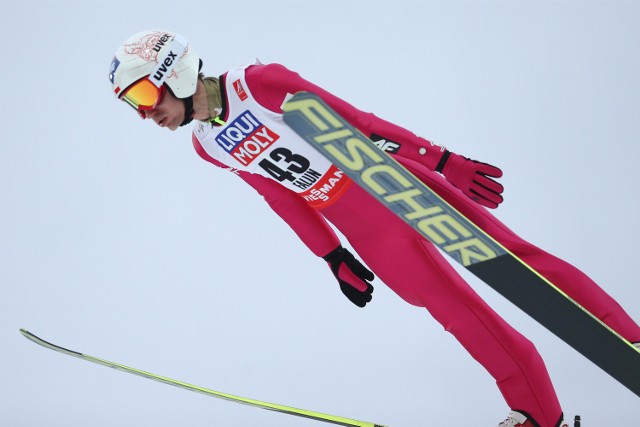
(256, 140)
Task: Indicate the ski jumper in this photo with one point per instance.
(307, 191)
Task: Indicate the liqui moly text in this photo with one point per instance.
(246, 138)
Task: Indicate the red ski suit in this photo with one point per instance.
(412, 266)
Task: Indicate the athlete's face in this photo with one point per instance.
(168, 113)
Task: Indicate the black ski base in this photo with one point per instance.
(553, 310)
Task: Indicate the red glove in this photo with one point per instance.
(473, 178)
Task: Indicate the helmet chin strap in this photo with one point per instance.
(188, 110)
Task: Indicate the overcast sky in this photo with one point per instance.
(120, 242)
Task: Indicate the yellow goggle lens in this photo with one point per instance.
(142, 94)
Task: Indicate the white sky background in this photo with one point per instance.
(120, 242)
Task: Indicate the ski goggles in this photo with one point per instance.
(143, 96)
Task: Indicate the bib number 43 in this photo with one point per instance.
(294, 164)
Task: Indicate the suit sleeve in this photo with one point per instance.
(306, 222)
(273, 82)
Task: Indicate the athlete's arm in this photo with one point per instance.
(271, 83)
(306, 222)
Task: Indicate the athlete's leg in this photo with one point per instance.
(565, 276)
(416, 271)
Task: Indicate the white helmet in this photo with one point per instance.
(163, 56)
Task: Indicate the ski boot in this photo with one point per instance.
(518, 419)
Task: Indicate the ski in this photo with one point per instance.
(318, 416)
(432, 217)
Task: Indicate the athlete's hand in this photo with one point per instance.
(352, 276)
(475, 179)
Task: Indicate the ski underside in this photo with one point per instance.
(432, 217)
(332, 419)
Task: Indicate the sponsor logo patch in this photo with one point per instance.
(114, 66)
(246, 138)
(329, 186)
(385, 144)
(237, 85)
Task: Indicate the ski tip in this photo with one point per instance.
(47, 344)
(28, 335)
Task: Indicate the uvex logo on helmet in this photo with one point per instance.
(174, 51)
(163, 40)
(164, 67)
